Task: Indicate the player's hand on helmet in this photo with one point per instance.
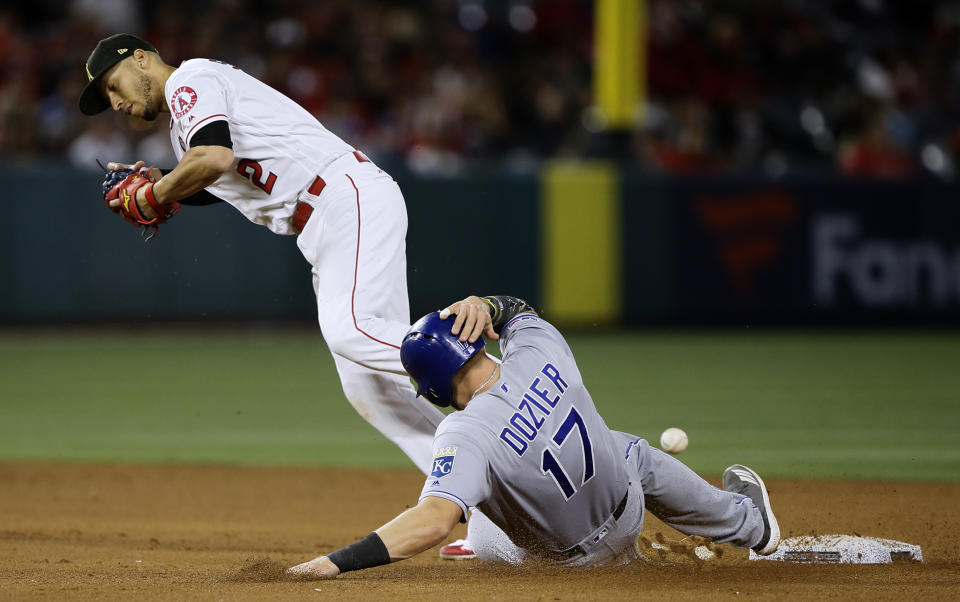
(473, 319)
(318, 568)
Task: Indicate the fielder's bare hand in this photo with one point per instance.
(318, 568)
(473, 319)
(153, 175)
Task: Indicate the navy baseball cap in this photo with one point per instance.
(108, 53)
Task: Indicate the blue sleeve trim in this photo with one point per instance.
(506, 331)
(448, 496)
(518, 316)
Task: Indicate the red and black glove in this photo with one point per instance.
(122, 185)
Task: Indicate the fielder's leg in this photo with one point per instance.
(356, 243)
(388, 402)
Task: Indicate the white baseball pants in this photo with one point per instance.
(355, 240)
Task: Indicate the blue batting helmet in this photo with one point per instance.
(432, 356)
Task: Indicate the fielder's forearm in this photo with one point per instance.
(199, 168)
(197, 199)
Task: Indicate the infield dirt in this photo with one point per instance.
(211, 533)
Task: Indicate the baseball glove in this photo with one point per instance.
(122, 185)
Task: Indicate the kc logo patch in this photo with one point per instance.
(443, 461)
(182, 101)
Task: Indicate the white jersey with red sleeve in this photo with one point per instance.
(279, 147)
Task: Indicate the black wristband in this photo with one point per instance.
(504, 308)
(368, 552)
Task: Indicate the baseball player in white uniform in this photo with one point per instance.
(528, 448)
(240, 141)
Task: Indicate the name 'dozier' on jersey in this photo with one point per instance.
(531, 414)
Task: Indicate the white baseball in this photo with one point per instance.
(673, 440)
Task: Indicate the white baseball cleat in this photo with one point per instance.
(740, 479)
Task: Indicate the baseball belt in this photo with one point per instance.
(578, 549)
(301, 215)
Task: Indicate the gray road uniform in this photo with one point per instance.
(534, 455)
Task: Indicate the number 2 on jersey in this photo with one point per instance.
(253, 171)
(550, 465)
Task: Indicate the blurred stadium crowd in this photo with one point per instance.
(863, 87)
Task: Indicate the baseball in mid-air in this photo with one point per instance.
(673, 440)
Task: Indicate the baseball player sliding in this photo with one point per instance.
(528, 448)
(240, 141)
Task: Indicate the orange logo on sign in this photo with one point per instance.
(749, 229)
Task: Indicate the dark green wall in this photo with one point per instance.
(65, 257)
(732, 251)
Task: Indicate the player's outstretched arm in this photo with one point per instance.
(420, 528)
(415, 530)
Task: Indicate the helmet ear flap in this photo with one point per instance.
(435, 399)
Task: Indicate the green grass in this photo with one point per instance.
(849, 405)
(857, 405)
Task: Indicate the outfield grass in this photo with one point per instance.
(857, 405)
